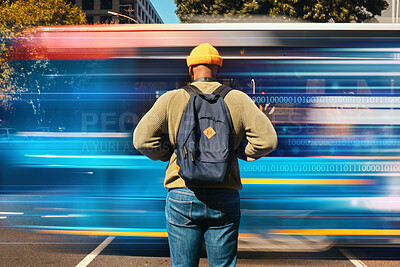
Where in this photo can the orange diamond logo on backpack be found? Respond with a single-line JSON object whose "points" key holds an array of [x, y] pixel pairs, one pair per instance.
{"points": [[209, 132]]}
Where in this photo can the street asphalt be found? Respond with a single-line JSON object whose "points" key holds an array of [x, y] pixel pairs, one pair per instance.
{"points": [[22, 248]]}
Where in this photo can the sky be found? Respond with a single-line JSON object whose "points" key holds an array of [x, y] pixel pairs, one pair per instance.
{"points": [[166, 9]]}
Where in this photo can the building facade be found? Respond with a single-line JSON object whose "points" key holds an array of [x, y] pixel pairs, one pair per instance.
{"points": [[140, 10]]}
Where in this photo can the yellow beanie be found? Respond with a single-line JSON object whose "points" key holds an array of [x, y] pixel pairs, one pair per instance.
{"points": [[204, 54]]}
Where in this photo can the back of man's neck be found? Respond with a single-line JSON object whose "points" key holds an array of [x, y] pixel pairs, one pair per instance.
{"points": [[205, 79]]}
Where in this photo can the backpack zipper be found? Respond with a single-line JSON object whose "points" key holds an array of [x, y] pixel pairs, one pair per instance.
{"points": [[184, 152]]}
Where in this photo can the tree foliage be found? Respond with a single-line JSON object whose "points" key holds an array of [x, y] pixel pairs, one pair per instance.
{"points": [[16, 21], [309, 10]]}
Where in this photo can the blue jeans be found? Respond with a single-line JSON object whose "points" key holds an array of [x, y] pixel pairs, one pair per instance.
{"points": [[197, 214]]}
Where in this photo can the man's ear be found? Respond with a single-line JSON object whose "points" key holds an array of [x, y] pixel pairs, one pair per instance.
{"points": [[191, 71]]}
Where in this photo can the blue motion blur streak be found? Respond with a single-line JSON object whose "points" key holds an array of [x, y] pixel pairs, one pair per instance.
{"points": [[68, 165]]}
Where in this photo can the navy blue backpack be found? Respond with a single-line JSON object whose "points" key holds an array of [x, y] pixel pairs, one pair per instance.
{"points": [[204, 144]]}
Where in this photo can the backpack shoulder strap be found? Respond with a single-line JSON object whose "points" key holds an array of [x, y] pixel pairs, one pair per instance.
{"points": [[192, 90], [222, 91]]}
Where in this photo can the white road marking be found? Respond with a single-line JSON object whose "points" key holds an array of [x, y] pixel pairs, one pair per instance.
{"points": [[88, 259], [352, 258], [3, 217], [11, 213]]}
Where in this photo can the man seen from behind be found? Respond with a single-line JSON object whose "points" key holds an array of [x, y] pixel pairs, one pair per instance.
{"points": [[208, 212]]}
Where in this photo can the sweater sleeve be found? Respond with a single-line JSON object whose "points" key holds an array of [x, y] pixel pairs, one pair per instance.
{"points": [[260, 137], [151, 134]]}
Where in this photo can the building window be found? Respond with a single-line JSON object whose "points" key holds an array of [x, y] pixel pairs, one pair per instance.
{"points": [[138, 11], [87, 4], [105, 19], [106, 4], [89, 19]]}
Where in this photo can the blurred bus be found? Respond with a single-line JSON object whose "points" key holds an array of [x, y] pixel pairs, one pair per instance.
{"points": [[331, 91]]}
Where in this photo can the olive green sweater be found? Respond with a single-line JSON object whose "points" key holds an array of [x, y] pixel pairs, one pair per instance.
{"points": [[155, 135]]}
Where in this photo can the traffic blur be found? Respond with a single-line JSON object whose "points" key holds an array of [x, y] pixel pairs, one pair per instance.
{"points": [[331, 91]]}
